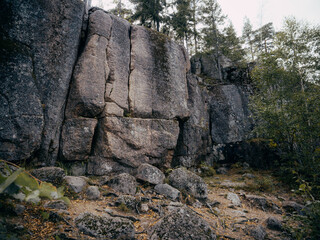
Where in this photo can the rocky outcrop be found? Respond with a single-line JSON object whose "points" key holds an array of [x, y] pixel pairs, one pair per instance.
{"points": [[124, 98], [194, 138], [38, 49], [158, 86], [229, 114]]}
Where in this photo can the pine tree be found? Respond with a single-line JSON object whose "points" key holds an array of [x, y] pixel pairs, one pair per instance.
{"points": [[181, 21], [263, 38], [121, 11], [212, 17], [231, 45], [248, 35], [148, 12]]}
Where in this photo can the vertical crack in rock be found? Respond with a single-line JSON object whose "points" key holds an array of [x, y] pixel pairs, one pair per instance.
{"points": [[130, 71]]}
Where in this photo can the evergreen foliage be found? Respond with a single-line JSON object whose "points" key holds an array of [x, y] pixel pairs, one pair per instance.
{"points": [[148, 12], [286, 104]]}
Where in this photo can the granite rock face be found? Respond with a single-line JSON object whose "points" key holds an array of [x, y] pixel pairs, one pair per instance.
{"points": [[194, 139], [38, 44], [229, 114], [158, 86], [123, 97], [133, 141], [77, 134]]}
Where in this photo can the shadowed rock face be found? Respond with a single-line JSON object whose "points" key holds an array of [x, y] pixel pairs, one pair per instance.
{"points": [[229, 114], [38, 44]]}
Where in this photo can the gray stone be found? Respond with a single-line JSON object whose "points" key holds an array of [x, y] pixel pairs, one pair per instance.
{"points": [[235, 200], [230, 184], [124, 183], [181, 224], [257, 232], [229, 114], [248, 175], [100, 24], [56, 204], [19, 209], [75, 184], [118, 60], [263, 203], [86, 96], [112, 109], [39, 44], [238, 213], [144, 208], [222, 170], [150, 174], [158, 86], [53, 175], [100, 166], [129, 201], [194, 140], [76, 138], [78, 168], [93, 193], [168, 191], [133, 141], [291, 206], [105, 227], [274, 223], [185, 180]]}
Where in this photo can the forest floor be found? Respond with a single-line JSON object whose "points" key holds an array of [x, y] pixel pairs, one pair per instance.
{"points": [[261, 196]]}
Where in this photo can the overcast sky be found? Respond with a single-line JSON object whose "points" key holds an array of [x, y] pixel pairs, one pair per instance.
{"points": [[260, 11]]}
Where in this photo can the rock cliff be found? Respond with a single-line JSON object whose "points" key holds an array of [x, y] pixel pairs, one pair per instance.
{"points": [[115, 98]]}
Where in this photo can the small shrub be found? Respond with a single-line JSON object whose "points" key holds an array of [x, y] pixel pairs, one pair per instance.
{"points": [[306, 226], [123, 207], [265, 184]]}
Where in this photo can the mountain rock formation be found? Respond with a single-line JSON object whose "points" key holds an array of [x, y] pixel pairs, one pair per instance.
{"points": [[88, 87]]}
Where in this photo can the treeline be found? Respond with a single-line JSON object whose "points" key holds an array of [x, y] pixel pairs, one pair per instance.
{"points": [[200, 26]]}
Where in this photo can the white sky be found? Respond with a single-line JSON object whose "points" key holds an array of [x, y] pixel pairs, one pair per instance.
{"points": [[260, 11]]}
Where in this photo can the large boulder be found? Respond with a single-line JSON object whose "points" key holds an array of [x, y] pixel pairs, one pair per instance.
{"points": [[168, 191], [133, 141], [150, 174], [53, 175], [188, 181], [38, 49], [123, 183], [105, 227], [75, 184], [157, 84], [181, 224]]}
